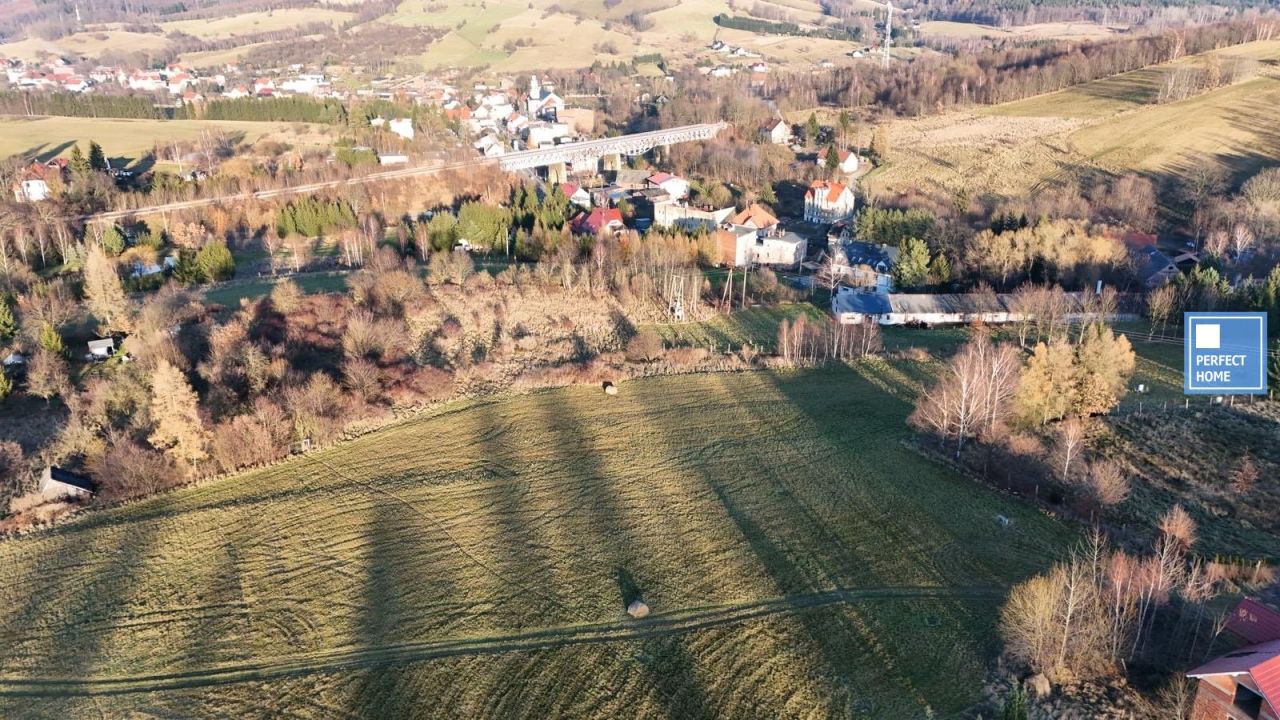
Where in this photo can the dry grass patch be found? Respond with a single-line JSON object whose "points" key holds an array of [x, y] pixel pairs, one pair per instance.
{"points": [[256, 22]]}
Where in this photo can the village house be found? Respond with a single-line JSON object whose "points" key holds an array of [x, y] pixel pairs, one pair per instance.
{"points": [[33, 185], [863, 264], [754, 216], [828, 202], [672, 214], [541, 133], [629, 179], [599, 220], [576, 195], [59, 484], [775, 131], [675, 187], [1151, 266], [847, 162], [740, 245], [400, 126], [1243, 684]]}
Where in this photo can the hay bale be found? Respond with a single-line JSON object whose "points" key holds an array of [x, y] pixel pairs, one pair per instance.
{"points": [[610, 388], [637, 609]]}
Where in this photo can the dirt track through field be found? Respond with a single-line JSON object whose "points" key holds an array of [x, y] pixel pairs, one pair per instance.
{"points": [[657, 625]]}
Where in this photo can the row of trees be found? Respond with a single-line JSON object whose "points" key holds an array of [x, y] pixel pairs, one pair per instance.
{"points": [[986, 386], [1102, 608]]}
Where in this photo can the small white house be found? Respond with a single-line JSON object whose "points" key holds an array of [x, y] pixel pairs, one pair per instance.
{"points": [[847, 162], [542, 133], [34, 190], [675, 187], [102, 349], [779, 249], [776, 131], [402, 127], [577, 195]]}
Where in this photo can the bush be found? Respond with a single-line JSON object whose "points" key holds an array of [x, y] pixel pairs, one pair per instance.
{"points": [[645, 346], [215, 262]]}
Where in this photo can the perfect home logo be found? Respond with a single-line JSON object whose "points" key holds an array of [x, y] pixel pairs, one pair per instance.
{"points": [[1226, 353]]}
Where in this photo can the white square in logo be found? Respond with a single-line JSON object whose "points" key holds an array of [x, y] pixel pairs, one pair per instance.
{"points": [[1208, 336]]}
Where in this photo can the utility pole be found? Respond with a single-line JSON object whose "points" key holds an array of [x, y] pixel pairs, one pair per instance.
{"points": [[888, 30]]}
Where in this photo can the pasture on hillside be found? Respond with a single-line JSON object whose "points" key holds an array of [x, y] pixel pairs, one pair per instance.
{"points": [[1109, 126], [256, 22], [798, 559], [47, 137]]}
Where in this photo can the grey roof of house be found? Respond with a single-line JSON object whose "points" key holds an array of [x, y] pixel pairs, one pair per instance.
{"points": [[103, 344], [927, 304], [865, 253], [1151, 261], [866, 303]]}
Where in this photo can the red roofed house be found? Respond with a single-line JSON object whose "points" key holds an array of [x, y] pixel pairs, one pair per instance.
{"points": [[577, 195], [676, 187], [1244, 684], [848, 162], [599, 220], [754, 216], [34, 186], [828, 202]]}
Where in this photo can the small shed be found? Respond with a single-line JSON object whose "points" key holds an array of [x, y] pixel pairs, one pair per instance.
{"points": [[102, 349], [57, 483]]}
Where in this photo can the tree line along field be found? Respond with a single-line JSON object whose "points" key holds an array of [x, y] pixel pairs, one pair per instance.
{"points": [[798, 559], [1112, 126]]}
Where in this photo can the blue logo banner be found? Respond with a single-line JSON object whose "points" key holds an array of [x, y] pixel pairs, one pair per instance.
{"points": [[1225, 353]]}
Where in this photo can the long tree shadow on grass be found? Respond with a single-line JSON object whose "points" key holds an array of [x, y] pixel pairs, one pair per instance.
{"points": [[954, 511], [670, 666], [785, 535], [68, 626]]}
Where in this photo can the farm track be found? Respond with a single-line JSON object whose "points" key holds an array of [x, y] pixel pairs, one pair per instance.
{"points": [[658, 625]]}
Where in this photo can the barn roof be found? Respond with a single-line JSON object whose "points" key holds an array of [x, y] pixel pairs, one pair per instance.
{"points": [[926, 304], [1254, 622]]}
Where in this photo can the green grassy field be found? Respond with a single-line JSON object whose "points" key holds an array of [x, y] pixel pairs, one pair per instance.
{"points": [[231, 294], [49, 136], [798, 559]]}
